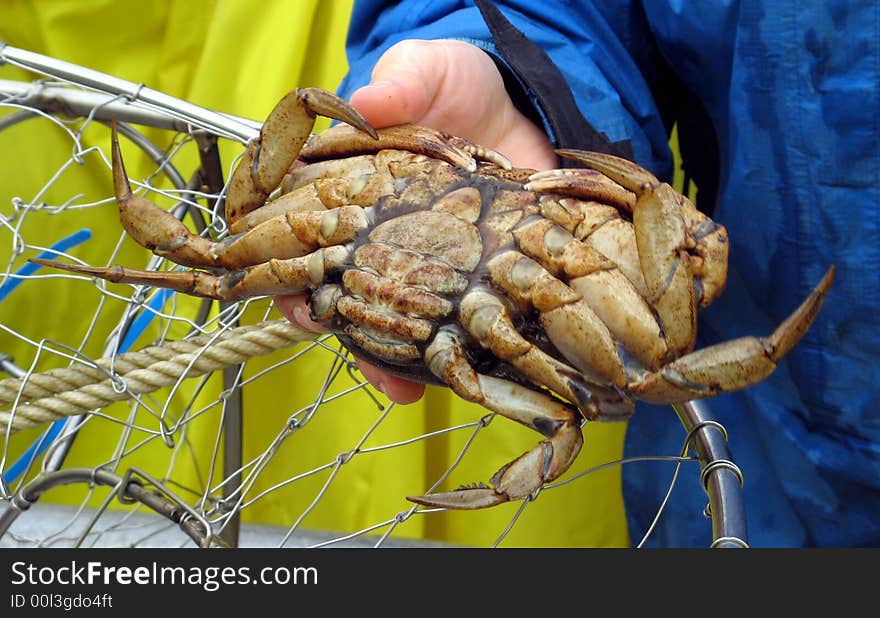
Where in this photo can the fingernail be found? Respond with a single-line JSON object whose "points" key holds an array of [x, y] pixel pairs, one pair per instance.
{"points": [[301, 315], [381, 385]]}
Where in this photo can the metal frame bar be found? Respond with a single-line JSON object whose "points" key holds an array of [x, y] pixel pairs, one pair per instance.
{"points": [[721, 478], [151, 103]]}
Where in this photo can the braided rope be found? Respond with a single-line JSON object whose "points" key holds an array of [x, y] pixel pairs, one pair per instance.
{"points": [[69, 391]]}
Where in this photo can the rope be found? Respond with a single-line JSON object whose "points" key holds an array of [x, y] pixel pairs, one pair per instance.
{"points": [[69, 391]]}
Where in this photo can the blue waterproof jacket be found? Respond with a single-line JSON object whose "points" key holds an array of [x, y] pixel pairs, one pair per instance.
{"points": [[791, 89]]}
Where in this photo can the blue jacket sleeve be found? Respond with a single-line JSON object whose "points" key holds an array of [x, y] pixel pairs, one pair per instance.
{"points": [[612, 88]]}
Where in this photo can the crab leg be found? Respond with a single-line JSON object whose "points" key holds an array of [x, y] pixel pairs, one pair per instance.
{"points": [[705, 240], [325, 192], [290, 276], [349, 167], [291, 234], [151, 226], [324, 185], [584, 183], [574, 328], [343, 141], [731, 365], [663, 243], [259, 172], [546, 415], [586, 343], [606, 290]]}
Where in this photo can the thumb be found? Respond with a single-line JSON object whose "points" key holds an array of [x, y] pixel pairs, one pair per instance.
{"points": [[432, 83], [404, 84], [455, 87]]}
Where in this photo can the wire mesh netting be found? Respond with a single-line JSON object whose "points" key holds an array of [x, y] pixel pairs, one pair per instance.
{"points": [[139, 417]]}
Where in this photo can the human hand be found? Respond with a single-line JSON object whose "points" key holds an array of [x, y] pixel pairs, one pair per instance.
{"points": [[450, 86]]}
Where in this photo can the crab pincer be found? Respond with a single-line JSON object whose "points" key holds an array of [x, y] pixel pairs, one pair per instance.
{"points": [[284, 132]]}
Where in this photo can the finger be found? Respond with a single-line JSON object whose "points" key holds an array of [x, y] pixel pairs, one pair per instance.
{"points": [[526, 145], [397, 389], [401, 90], [295, 309], [433, 83], [390, 102]]}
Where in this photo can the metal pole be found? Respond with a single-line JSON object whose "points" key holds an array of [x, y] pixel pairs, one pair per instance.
{"points": [[721, 478], [241, 129]]}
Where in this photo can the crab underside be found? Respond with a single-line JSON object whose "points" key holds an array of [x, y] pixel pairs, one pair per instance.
{"points": [[547, 297]]}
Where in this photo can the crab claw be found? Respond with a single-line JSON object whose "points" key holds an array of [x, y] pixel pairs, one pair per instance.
{"points": [[287, 128], [151, 226], [463, 498], [664, 244], [732, 365], [624, 172], [519, 479]]}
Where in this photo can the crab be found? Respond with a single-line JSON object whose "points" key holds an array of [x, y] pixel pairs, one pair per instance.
{"points": [[550, 298]]}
